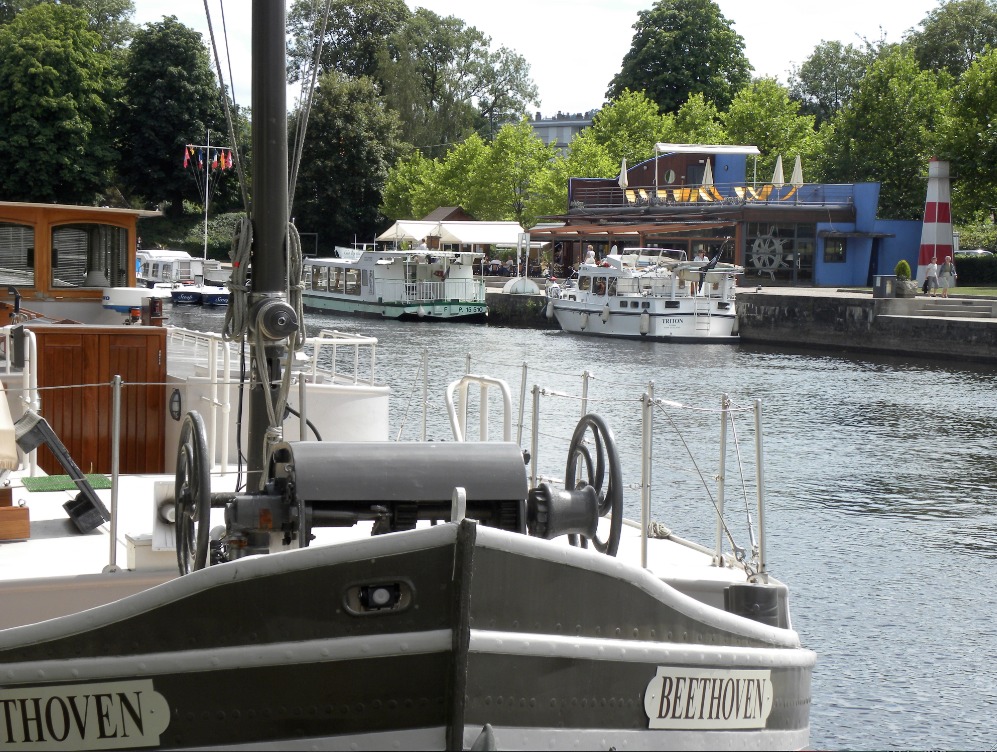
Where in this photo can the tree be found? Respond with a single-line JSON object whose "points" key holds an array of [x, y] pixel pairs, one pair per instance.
{"points": [[441, 76], [586, 158], [109, 18], [887, 133], [629, 127], [55, 94], [696, 122], [763, 115], [352, 143], [356, 35], [683, 47], [506, 184], [969, 139], [171, 98], [954, 34], [828, 78]]}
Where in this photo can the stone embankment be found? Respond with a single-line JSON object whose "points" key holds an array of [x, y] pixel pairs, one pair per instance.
{"points": [[956, 328]]}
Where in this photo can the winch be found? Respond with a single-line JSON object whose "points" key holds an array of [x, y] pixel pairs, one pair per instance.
{"points": [[394, 486]]}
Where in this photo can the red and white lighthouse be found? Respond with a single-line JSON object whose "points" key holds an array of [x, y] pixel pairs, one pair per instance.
{"points": [[936, 233]]}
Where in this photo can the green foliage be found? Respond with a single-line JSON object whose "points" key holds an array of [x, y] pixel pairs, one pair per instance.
{"points": [[221, 231], [171, 99], [888, 133], [762, 114], [902, 270], [56, 89], [976, 270], [980, 233], [629, 126], [955, 34], [353, 141], [828, 78], [680, 48], [969, 139], [356, 35], [696, 122]]}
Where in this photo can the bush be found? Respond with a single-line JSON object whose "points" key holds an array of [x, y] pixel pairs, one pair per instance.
{"points": [[976, 270], [902, 271]]}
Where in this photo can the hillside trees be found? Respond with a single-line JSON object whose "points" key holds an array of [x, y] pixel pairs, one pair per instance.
{"points": [[954, 35]]}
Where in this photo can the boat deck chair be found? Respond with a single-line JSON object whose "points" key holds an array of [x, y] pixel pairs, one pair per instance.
{"points": [[631, 196], [762, 194], [741, 192], [710, 193], [663, 196]]}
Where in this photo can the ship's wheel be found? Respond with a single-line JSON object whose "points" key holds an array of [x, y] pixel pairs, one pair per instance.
{"points": [[767, 254], [606, 459], [192, 495]]}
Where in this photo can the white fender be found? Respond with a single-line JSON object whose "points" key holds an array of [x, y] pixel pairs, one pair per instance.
{"points": [[585, 320], [550, 309], [421, 313], [645, 322], [605, 314]]}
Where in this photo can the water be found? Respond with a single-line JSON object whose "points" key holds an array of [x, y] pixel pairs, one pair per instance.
{"points": [[881, 488]]}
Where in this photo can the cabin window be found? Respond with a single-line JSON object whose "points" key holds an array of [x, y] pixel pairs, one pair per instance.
{"points": [[612, 286], [352, 282], [623, 304], [17, 255], [364, 278], [584, 283], [89, 255], [600, 285], [834, 250]]}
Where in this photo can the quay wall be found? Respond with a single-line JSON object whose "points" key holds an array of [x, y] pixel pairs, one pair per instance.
{"points": [[818, 319], [863, 324]]}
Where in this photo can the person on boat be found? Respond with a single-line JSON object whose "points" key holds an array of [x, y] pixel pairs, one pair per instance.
{"points": [[931, 279], [600, 286], [946, 276], [422, 245], [700, 256], [590, 255]]}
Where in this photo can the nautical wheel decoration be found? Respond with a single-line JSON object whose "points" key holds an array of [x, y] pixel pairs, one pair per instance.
{"points": [[767, 255]]}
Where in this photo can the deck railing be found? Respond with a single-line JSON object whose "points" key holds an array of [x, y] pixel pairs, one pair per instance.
{"points": [[807, 194], [464, 290]]}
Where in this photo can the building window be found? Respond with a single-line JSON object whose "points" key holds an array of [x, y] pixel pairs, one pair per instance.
{"points": [[834, 250], [89, 255], [17, 255]]}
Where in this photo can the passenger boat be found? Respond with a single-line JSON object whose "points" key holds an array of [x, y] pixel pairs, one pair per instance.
{"points": [[209, 295], [395, 284], [160, 266], [649, 293], [343, 591]]}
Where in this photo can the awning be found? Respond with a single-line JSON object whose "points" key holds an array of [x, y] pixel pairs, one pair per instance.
{"points": [[458, 233], [705, 149], [481, 233], [409, 229]]}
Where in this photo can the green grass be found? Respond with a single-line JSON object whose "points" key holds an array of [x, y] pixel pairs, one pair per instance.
{"points": [[63, 482]]}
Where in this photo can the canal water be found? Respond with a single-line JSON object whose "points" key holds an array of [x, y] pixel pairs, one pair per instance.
{"points": [[880, 483]]}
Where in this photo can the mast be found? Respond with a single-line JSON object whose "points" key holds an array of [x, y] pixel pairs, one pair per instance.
{"points": [[272, 320]]}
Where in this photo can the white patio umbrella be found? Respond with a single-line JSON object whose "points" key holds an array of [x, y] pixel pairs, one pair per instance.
{"points": [[797, 178], [623, 175], [708, 174], [778, 180]]}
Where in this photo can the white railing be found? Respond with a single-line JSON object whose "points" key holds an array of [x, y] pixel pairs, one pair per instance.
{"points": [[467, 291], [27, 394]]}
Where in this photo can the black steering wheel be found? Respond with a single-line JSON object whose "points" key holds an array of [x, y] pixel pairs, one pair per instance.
{"points": [[606, 457], [192, 495]]}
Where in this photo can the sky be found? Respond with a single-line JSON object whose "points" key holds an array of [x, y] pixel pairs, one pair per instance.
{"points": [[575, 47]]}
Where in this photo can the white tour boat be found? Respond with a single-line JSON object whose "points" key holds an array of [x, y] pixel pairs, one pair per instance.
{"points": [[425, 284], [649, 293]]}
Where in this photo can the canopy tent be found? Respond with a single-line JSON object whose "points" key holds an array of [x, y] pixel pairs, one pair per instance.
{"points": [[481, 233], [409, 229], [705, 149], [455, 233]]}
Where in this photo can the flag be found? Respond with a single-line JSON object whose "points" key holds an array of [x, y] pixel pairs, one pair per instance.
{"points": [[214, 162], [221, 160], [186, 157], [200, 158]]}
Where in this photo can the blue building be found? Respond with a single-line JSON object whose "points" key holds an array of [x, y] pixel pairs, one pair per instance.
{"points": [[701, 197]]}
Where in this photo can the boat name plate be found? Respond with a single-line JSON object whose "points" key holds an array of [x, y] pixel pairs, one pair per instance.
{"points": [[683, 697]]}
